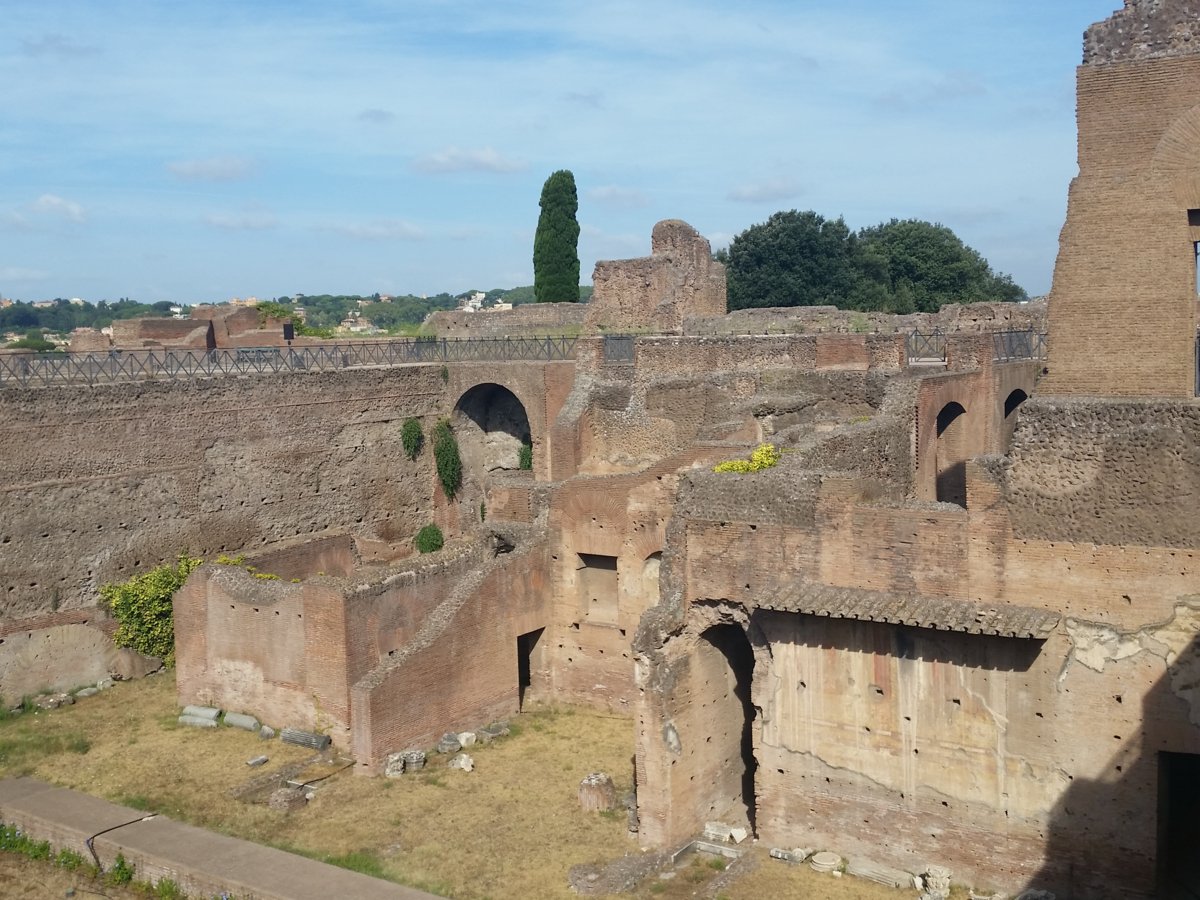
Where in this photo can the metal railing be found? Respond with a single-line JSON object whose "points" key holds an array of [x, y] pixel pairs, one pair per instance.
{"points": [[1007, 346], [40, 369], [926, 346], [1011, 345]]}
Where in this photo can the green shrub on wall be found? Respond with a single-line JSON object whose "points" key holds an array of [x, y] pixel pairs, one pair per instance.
{"points": [[445, 454], [142, 607], [526, 456], [412, 437], [429, 539]]}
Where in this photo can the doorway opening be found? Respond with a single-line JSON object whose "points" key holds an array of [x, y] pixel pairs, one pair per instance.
{"points": [[950, 454], [530, 668], [726, 663], [1178, 825]]}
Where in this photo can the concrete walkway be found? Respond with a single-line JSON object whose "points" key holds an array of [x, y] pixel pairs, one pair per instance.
{"points": [[201, 863]]}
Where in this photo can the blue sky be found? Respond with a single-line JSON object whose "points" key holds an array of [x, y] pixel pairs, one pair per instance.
{"points": [[201, 151]]}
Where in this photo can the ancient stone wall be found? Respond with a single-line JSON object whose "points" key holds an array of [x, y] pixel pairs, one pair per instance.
{"points": [[830, 319], [1123, 316], [679, 280], [523, 320]]}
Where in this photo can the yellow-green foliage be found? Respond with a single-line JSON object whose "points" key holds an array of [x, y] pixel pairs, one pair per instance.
{"points": [[142, 606], [764, 456]]}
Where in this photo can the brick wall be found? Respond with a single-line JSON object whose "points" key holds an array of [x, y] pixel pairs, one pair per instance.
{"points": [[1123, 316]]}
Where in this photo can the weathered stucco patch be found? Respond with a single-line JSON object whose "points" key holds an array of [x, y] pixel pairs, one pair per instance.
{"points": [[1174, 641]]}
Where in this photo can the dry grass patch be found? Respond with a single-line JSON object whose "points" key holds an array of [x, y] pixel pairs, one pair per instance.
{"points": [[510, 829]]}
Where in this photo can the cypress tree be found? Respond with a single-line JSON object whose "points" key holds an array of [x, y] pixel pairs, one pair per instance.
{"points": [[556, 244]]}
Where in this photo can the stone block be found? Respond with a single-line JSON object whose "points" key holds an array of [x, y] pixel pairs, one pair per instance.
{"points": [[462, 761], [202, 712], [87, 692], [597, 793], [240, 720], [257, 761], [305, 738], [414, 760], [394, 765], [717, 831], [266, 732], [467, 738], [449, 744], [53, 701], [197, 722]]}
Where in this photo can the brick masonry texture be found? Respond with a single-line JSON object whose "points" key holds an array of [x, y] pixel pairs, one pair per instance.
{"points": [[754, 626]]}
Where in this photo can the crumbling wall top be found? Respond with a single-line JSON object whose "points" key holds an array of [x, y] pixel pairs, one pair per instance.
{"points": [[1144, 29]]}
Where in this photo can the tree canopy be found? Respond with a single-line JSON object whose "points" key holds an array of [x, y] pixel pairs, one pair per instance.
{"points": [[803, 259], [556, 243]]}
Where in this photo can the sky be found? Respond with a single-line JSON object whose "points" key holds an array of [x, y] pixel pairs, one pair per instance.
{"points": [[196, 152]]}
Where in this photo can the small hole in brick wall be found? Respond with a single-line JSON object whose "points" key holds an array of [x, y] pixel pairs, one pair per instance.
{"points": [[1118, 768], [867, 729], [1118, 698], [945, 804], [803, 685], [276, 612], [878, 690], [956, 701], [622, 631], [6, 539], [1116, 737], [256, 609], [780, 771], [575, 626], [916, 752], [1039, 715], [827, 781], [908, 718], [754, 528]]}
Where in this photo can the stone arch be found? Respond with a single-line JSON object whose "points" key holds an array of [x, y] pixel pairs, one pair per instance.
{"points": [[1011, 404], [950, 454], [1177, 158], [651, 567], [492, 425]]}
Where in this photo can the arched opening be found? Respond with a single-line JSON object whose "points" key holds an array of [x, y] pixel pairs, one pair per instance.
{"points": [[492, 428], [716, 718], [950, 454], [1011, 403], [650, 580]]}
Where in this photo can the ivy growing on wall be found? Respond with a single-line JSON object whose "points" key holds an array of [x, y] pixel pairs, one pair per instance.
{"points": [[445, 454], [525, 459], [142, 607], [412, 437]]}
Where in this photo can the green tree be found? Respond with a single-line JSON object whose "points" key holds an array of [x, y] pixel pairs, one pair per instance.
{"points": [[901, 266], [930, 264], [556, 244], [792, 259]]}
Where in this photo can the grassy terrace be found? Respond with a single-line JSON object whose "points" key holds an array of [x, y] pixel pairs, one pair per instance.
{"points": [[510, 829]]}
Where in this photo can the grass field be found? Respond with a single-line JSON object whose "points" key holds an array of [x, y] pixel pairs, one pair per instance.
{"points": [[510, 829]]}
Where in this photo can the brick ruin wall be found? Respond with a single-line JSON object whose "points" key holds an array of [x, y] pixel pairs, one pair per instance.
{"points": [[908, 745], [111, 480], [524, 320], [657, 293], [831, 320], [1123, 316]]}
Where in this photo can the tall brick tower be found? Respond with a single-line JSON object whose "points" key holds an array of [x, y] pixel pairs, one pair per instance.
{"points": [[1123, 304]]}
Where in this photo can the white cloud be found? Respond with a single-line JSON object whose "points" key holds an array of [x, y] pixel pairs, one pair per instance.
{"points": [[376, 116], [246, 221], [454, 159], [215, 168], [379, 230], [618, 197], [56, 45], [53, 205], [763, 191], [17, 273]]}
